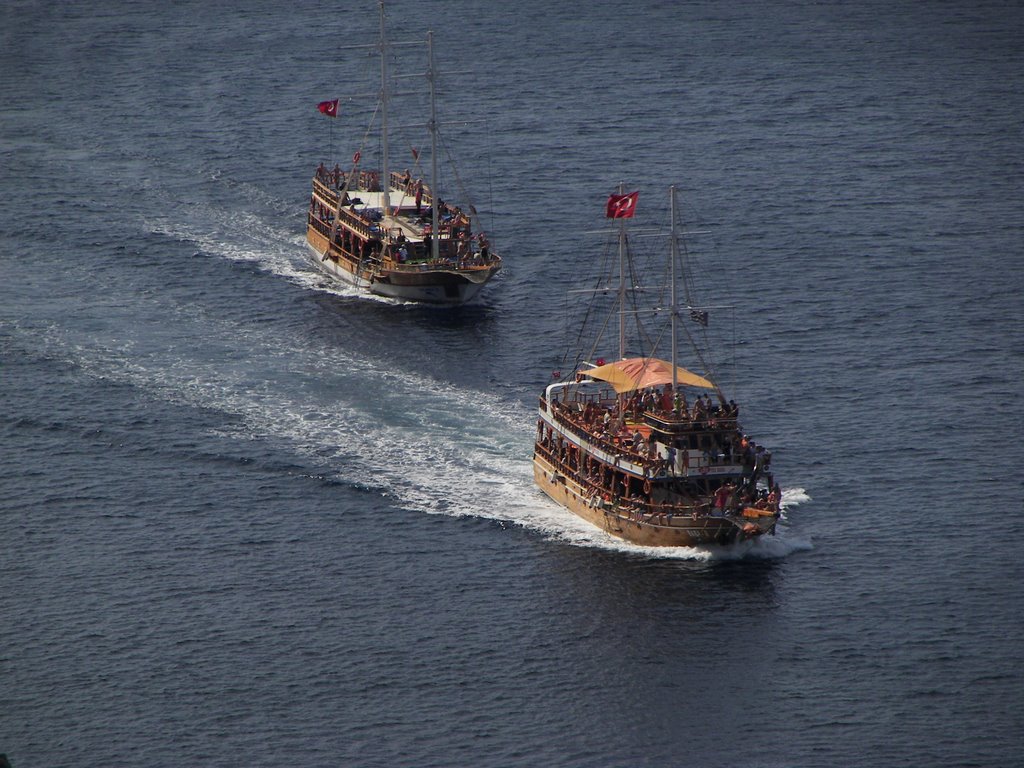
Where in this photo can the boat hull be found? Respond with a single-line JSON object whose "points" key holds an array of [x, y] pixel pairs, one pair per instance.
{"points": [[427, 287], [650, 531]]}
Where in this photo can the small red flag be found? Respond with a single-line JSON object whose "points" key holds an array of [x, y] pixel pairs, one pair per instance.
{"points": [[329, 108], [621, 206]]}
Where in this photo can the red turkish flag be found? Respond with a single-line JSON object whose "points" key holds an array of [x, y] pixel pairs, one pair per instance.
{"points": [[621, 206], [329, 108]]}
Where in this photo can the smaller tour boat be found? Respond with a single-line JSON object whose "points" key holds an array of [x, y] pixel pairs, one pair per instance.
{"points": [[637, 446], [390, 233]]}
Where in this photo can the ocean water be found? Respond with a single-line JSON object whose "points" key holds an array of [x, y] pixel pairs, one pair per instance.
{"points": [[250, 517]]}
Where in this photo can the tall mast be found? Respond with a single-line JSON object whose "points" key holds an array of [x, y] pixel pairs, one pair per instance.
{"points": [[384, 96], [434, 244], [674, 251], [622, 281]]}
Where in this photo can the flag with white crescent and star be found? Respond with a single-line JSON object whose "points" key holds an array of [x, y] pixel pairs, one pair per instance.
{"points": [[329, 108], [621, 206]]}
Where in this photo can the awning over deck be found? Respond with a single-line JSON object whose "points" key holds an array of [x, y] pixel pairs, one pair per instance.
{"points": [[639, 372]]}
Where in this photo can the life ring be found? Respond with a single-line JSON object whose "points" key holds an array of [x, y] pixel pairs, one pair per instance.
{"points": [[647, 485]]}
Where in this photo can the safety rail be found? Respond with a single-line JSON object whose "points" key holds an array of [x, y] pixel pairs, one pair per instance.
{"points": [[594, 491], [651, 466], [398, 181]]}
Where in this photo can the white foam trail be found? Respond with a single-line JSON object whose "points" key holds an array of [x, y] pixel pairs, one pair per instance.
{"points": [[460, 452], [794, 496], [281, 253]]}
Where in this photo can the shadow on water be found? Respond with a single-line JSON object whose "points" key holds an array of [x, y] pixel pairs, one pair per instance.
{"points": [[443, 342], [643, 585], [384, 313]]}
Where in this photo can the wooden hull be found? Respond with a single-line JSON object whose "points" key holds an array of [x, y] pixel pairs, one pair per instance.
{"points": [[650, 531], [443, 287]]}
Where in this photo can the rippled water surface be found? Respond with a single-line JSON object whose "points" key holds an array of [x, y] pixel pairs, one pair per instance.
{"points": [[249, 517]]}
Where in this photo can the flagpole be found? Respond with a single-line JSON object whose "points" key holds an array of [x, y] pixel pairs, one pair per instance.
{"points": [[673, 256], [622, 281], [384, 96], [435, 232]]}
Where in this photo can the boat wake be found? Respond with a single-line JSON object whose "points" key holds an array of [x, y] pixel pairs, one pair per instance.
{"points": [[458, 452], [277, 252]]}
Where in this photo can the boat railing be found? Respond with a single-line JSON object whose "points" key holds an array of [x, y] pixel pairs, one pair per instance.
{"points": [[675, 424], [711, 451], [409, 185], [325, 191], [615, 445], [331, 179], [633, 506], [319, 226], [442, 264]]}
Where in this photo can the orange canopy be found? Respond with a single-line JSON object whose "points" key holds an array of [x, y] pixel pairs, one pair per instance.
{"points": [[639, 372]]}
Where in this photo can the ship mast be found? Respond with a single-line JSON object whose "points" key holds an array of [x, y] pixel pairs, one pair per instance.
{"points": [[434, 241], [674, 255], [384, 97], [622, 281]]}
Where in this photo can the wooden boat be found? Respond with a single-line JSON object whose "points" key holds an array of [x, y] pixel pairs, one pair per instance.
{"points": [[619, 443], [389, 232]]}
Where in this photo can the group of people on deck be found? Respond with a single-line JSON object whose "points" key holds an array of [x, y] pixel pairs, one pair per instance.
{"points": [[333, 178], [674, 406], [456, 244], [721, 444], [703, 415], [732, 495]]}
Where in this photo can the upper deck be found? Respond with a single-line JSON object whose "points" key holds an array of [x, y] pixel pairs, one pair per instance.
{"points": [[406, 230]]}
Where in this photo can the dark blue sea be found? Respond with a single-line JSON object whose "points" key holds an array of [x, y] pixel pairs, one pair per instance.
{"points": [[249, 517]]}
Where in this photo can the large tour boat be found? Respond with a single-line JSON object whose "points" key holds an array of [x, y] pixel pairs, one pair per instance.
{"points": [[645, 449], [390, 232]]}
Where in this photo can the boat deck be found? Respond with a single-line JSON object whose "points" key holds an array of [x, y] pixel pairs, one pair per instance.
{"points": [[415, 226]]}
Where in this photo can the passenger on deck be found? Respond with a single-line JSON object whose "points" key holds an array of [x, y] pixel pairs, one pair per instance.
{"points": [[650, 400], [666, 399], [462, 251], [722, 495], [698, 411]]}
